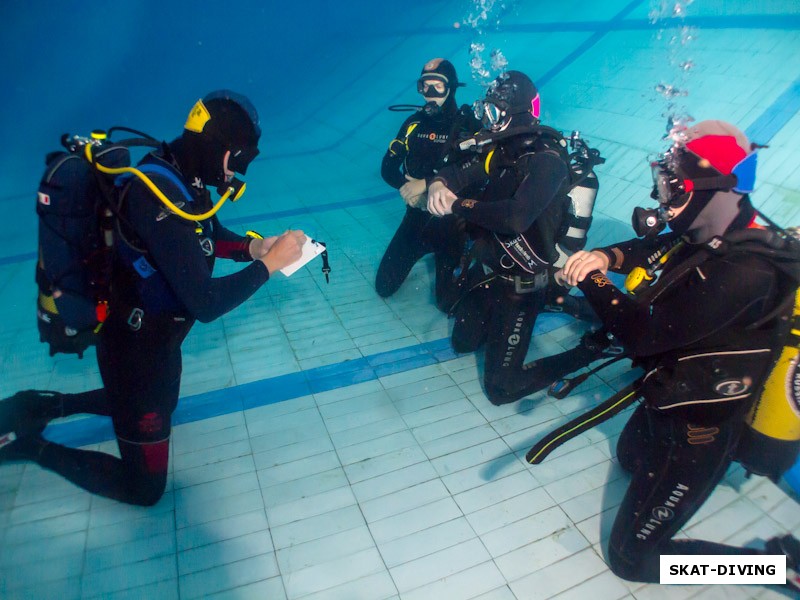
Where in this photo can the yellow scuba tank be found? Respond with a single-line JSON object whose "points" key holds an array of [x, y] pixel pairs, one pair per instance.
{"points": [[771, 443]]}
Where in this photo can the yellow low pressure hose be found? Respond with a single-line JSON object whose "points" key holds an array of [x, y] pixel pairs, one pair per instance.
{"points": [[158, 193]]}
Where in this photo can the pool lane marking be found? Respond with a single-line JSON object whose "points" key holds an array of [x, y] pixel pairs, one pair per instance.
{"points": [[96, 429]]}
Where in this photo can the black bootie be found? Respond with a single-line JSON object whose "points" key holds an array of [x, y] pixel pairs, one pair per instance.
{"points": [[26, 447], [28, 412]]}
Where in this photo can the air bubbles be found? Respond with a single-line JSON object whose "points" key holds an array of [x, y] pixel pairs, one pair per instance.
{"points": [[670, 91], [683, 36], [671, 15], [677, 124], [477, 64], [662, 9], [486, 15], [498, 60]]}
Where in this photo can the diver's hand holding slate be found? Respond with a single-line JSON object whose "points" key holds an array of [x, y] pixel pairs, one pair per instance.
{"points": [[311, 249]]}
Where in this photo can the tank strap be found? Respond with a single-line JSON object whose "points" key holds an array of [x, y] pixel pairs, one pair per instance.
{"points": [[582, 223]]}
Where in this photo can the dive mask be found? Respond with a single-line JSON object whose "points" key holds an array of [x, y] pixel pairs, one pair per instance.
{"points": [[433, 86], [491, 115], [668, 188], [241, 158]]}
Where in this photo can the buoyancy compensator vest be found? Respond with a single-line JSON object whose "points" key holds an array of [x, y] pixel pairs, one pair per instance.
{"points": [[582, 187]]}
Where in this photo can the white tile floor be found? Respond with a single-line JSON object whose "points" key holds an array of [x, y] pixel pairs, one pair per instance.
{"points": [[341, 450]]}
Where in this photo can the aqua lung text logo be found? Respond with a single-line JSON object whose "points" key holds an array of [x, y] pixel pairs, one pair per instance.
{"points": [[731, 387], [663, 513], [436, 138], [513, 339], [793, 385]]}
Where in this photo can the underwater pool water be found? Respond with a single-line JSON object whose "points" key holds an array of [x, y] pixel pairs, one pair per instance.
{"points": [[329, 443]]}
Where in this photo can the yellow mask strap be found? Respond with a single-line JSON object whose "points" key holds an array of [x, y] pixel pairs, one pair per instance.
{"points": [[198, 117]]}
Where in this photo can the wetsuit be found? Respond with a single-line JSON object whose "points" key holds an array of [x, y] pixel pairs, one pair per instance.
{"points": [[162, 282], [421, 147], [517, 218], [692, 333]]}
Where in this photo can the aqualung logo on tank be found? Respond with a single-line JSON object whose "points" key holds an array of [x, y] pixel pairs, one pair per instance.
{"points": [[793, 385]]}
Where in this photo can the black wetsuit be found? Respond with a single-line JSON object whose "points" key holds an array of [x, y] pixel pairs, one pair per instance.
{"points": [[420, 148], [521, 209], [162, 283], [702, 366]]}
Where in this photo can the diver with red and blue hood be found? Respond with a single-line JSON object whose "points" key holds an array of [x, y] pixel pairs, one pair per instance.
{"points": [[703, 319]]}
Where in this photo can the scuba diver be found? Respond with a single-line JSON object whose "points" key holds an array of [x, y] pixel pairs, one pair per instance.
{"points": [[705, 331], [424, 143], [161, 283], [516, 218]]}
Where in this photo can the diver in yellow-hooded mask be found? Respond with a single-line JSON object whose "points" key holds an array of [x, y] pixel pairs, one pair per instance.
{"points": [[166, 239]]}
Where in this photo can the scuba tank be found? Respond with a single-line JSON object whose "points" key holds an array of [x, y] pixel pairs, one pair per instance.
{"points": [[582, 193], [74, 234], [582, 188], [770, 444]]}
